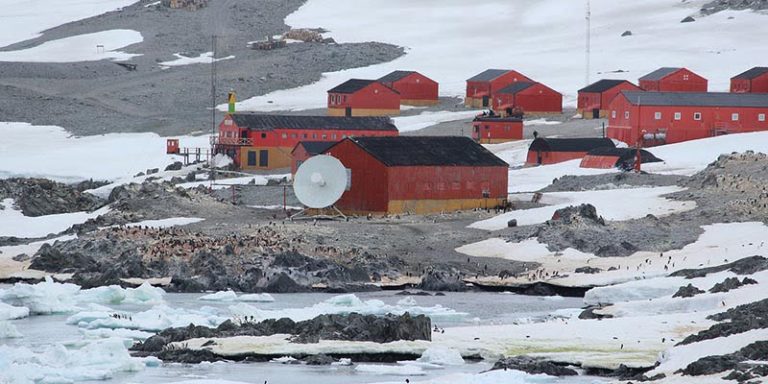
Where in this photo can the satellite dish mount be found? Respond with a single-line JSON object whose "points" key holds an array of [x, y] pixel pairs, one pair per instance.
{"points": [[319, 184]]}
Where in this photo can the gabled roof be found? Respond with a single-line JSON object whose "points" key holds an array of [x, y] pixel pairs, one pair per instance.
{"points": [[488, 74], [396, 151], [697, 99], [315, 147], [602, 85], [751, 74], [395, 76], [570, 145], [351, 86], [516, 87], [660, 73], [256, 122]]}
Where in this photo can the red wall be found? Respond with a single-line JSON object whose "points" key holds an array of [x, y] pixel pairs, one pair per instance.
{"points": [[483, 131], [537, 98], [601, 162], [369, 179], [298, 154], [756, 85], [548, 157], [415, 87], [597, 100], [714, 120], [443, 183], [680, 81], [374, 96], [487, 88]]}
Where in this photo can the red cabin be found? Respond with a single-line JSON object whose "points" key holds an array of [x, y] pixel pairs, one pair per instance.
{"points": [[306, 149], [622, 158], [481, 87], [551, 151], [172, 146], [595, 98], [496, 129], [672, 117], [414, 88], [256, 141], [530, 97], [754, 80], [419, 175], [669, 79], [357, 97]]}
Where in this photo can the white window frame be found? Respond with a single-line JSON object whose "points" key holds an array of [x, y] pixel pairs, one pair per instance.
{"points": [[678, 116], [761, 117], [735, 116], [626, 114], [697, 116], [613, 114], [657, 115]]}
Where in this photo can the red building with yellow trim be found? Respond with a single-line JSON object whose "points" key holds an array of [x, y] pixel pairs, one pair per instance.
{"points": [[414, 88], [482, 87], [358, 97], [496, 129], [528, 97]]}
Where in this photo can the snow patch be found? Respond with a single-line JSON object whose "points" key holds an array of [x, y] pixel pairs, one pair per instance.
{"points": [[13, 222], [88, 47], [204, 58]]}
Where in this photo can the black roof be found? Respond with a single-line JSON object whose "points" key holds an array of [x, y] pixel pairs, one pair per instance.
{"points": [[751, 74], [570, 145], [697, 99], [516, 87], [351, 86], [660, 73], [602, 85], [498, 118], [395, 76], [256, 122], [316, 147], [488, 75], [395, 151], [624, 154]]}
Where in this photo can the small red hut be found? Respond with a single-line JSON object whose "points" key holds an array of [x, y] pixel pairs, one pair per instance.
{"points": [[754, 80], [594, 99], [550, 150], [414, 88], [530, 97], [357, 97], [496, 129], [668, 79]]}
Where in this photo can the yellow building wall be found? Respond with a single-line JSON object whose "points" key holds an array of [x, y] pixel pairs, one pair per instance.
{"points": [[421, 207], [278, 157]]}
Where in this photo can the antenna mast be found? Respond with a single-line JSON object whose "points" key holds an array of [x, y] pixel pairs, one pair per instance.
{"points": [[588, 47]]}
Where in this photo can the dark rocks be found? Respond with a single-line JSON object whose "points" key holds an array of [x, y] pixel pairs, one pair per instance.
{"points": [[413, 293], [40, 197], [722, 5], [512, 223], [626, 33], [727, 285], [584, 213], [589, 314], [745, 266], [435, 280], [688, 291], [174, 166], [735, 320], [153, 344], [688, 19], [284, 284], [533, 366], [715, 364], [590, 270], [539, 289], [318, 360], [188, 356]]}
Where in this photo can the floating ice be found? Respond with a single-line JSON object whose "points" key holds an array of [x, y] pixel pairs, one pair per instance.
{"points": [[491, 377], [344, 304], [400, 370], [441, 356], [257, 297], [232, 296], [155, 319], [284, 360], [220, 296], [9, 312], [8, 330]]}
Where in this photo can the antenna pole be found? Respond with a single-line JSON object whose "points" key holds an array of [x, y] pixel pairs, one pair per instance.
{"points": [[588, 43], [213, 104]]}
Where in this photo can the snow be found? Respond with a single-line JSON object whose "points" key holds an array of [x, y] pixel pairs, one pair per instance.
{"points": [[542, 121], [94, 360], [400, 370], [19, 24], [276, 207], [448, 49], [79, 48], [10, 312], [204, 58], [106, 333], [14, 223], [154, 319], [220, 296], [8, 331], [531, 179], [221, 160], [430, 118], [59, 156], [441, 357], [257, 297], [513, 152], [610, 204], [490, 377], [346, 304]]}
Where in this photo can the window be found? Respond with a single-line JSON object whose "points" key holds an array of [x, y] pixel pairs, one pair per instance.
{"points": [[251, 158], [697, 115], [314, 135], [344, 99], [344, 136], [678, 115], [626, 114], [293, 135], [285, 135], [325, 136], [263, 135], [477, 128], [506, 128], [333, 136], [227, 121], [264, 158], [306, 136], [487, 127], [657, 115], [456, 185], [761, 117], [734, 117], [685, 77], [613, 114]]}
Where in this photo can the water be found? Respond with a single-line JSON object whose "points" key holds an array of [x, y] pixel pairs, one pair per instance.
{"points": [[480, 308]]}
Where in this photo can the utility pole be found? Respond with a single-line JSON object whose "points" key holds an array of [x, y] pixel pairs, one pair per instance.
{"points": [[213, 106], [588, 44]]}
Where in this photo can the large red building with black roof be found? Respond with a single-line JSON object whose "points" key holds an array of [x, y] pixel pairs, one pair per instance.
{"points": [[414, 88], [357, 97], [754, 80], [671, 79], [419, 175], [594, 99], [482, 87], [257, 141], [527, 97]]}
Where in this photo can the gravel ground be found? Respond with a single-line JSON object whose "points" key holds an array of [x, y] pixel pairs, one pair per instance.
{"points": [[95, 97]]}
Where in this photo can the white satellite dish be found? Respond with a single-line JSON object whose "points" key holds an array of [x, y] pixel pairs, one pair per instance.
{"points": [[320, 181]]}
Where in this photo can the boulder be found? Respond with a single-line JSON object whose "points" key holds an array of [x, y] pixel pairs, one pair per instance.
{"points": [[174, 166], [441, 281], [533, 366], [687, 291]]}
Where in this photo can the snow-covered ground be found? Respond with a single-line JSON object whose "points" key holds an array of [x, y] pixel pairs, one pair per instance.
{"points": [[203, 58], [88, 47], [14, 223], [611, 204], [549, 42], [428, 119]]}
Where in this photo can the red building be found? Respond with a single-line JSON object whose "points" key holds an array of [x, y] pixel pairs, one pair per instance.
{"points": [[622, 158], [357, 97], [529, 97], [594, 99], [496, 129], [414, 88], [306, 149], [672, 117], [754, 80], [265, 141], [481, 87], [550, 151], [668, 79], [419, 175]]}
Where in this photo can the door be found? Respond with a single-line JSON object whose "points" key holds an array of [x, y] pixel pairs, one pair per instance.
{"points": [[485, 101], [264, 158], [348, 111], [538, 157], [596, 113]]}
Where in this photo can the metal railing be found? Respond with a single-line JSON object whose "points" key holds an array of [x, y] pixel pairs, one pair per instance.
{"points": [[240, 141]]}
